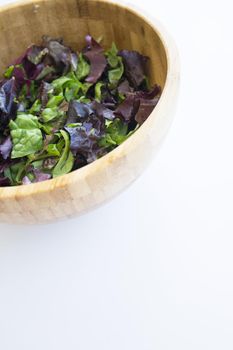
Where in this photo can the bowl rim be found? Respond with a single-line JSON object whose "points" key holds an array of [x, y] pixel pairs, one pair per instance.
{"points": [[171, 83]]}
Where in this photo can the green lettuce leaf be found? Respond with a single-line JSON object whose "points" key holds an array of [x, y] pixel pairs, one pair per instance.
{"points": [[26, 135], [52, 150], [112, 57], [59, 83], [55, 101], [16, 172], [98, 93], [50, 114], [66, 161], [116, 133], [83, 68], [8, 73], [115, 62], [36, 107], [114, 75]]}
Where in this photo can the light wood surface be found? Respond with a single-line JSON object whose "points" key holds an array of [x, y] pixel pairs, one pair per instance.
{"points": [[24, 23]]}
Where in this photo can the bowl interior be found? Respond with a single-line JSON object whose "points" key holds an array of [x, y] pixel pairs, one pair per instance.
{"points": [[24, 23]]}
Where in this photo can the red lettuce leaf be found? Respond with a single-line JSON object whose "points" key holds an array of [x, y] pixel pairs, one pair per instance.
{"points": [[63, 57], [26, 180], [102, 111], [150, 94], [83, 142], [148, 101], [124, 87], [4, 181], [138, 105], [128, 108], [43, 93], [79, 162], [98, 62], [84, 139], [40, 176], [135, 65], [8, 106], [146, 107], [5, 164], [29, 65], [6, 147]]}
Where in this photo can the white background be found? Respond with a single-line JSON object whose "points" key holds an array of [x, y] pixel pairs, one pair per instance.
{"points": [[153, 269]]}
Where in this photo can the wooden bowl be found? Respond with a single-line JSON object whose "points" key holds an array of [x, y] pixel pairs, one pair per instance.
{"points": [[24, 23]]}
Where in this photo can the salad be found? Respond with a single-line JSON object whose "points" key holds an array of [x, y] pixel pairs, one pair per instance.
{"points": [[61, 110]]}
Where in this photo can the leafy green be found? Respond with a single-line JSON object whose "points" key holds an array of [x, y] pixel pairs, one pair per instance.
{"points": [[50, 114], [36, 107], [71, 87], [98, 87], [115, 62], [114, 75], [26, 135], [37, 164], [8, 73], [71, 92], [112, 57], [66, 161], [53, 150], [45, 71], [55, 101], [59, 83], [47, 128], [15, 172], [116, 133], [83, 68]]}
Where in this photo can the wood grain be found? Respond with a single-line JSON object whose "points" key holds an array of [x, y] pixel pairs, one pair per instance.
{"points": [[24, 23]]}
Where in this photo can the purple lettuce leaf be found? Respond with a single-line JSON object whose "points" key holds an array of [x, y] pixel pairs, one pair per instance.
{"points": [[4, 181], [124, 87], [8, 106], [135, 65], [30, 64], [20, 76], [138, 105], [128, 108], [146, 107], [40, 176], [102, 111], [79, 161], [108, 97], [78, 112], [6, 147], [26, 180], [35, 54], [4, 164], [94, 54], [148, 100], [83, 142], [63, 57], [43, 93], [84, 139], [38, 63], [150, 94]]}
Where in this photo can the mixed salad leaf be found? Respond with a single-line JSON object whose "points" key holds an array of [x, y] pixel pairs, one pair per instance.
{"points": [[61, 110]]}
